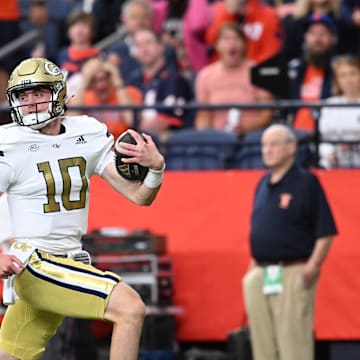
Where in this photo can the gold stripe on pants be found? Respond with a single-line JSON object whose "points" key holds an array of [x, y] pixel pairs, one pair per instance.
{"points": [[51, 288]]}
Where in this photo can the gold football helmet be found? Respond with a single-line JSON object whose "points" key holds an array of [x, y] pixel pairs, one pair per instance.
{"points": [[32, 73]]}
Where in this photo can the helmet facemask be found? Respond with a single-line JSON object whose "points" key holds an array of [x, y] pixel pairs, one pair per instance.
{"points": [[31, 74]]}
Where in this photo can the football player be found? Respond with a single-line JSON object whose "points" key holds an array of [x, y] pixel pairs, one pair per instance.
{"points": [[46, 161]]}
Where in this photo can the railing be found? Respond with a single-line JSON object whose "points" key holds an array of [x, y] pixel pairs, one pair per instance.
{"points": [[37, 35], [111, 39], [280, 107], [18, 43]]}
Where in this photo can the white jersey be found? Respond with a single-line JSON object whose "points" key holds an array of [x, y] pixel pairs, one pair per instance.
{"points": [[47, 180], [336, 124], [5, 227], [340, 123]]}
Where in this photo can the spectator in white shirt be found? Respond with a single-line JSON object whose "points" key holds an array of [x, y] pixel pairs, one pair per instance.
{"points": [[342, 123]]}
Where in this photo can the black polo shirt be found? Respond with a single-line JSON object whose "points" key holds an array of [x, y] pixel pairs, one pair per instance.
{"points": [[289, 216]]}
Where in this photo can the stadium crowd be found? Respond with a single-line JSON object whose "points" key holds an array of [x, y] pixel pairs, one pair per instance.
{"points": [[202, 52], [124, 58]]}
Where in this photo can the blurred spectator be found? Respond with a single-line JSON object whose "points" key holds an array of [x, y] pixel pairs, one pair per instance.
{"points": [[81, 29], [228, 81], [102, 85], [172, 32], [107, 16], [159, 84], [49, 17], [135, 15], [283, 7], [295, 25], [259, 21], [194, 29], [311, 75], [161, 12], [9, 30], [183, 28], [342, 123], [350, 14]]}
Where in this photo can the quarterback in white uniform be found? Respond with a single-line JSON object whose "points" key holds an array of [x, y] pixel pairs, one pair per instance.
{"points": [[46, 161]]}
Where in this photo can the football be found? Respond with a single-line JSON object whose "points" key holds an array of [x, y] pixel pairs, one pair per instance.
{"points": [[133, 171]]}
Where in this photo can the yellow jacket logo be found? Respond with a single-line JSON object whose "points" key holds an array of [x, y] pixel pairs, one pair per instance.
{"points": [[21, 246]]}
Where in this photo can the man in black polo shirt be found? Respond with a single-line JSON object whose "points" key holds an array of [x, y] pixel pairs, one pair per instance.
{"points": [[292, 228]]}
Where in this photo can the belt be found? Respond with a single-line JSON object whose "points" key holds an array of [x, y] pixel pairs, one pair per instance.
{"points": [[80, 255], [281, 262], [46, 254]]}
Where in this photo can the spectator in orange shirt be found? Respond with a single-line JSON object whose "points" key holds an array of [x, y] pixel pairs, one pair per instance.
{"points": [[228, 81], [102, 85], [259, 21]]}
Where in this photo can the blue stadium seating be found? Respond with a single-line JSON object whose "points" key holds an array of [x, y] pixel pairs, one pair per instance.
{"points": [[209, 149], [248, 156]]}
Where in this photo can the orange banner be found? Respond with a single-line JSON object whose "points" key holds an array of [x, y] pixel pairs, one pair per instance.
{"points": [[205, 216]]}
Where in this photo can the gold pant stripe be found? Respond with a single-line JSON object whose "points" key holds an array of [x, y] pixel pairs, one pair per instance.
{"points": [[49, 289], [80, 277]]}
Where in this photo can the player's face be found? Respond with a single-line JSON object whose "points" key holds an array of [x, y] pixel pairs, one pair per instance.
{"points": [[34, 100], [276, 150]]}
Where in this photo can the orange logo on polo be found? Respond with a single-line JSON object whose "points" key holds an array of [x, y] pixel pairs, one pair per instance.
{"points": [[285, 199], [21, 246]]}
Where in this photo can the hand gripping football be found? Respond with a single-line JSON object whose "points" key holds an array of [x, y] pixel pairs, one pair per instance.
{"points": [[133, 171]]}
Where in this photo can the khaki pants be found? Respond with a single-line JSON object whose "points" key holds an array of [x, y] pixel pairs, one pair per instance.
{"points": [[281, 325]]}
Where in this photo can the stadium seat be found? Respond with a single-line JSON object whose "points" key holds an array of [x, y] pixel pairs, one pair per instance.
{"points": [[249, 156], [209, 149]]}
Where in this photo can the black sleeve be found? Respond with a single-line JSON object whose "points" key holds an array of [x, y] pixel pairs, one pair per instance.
{"points": [[323, 219], [172, 91]]}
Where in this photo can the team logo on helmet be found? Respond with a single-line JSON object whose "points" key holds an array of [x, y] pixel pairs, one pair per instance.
{"points": [[30, 73], [52, 69]]}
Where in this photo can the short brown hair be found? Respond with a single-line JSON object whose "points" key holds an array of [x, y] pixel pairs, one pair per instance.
{"points": [[77, 16], [350, 60], [236, 28]]}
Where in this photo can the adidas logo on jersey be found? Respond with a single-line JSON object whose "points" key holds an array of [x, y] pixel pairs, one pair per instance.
{"points": [[80, 140]]}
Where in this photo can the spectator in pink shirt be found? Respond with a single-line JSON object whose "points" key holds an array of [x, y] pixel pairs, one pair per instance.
{"points": [[228, 81], [184, 25]]}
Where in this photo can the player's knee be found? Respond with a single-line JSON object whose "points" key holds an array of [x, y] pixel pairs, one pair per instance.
{"points": [[125, 304], [6, 356], [136, 308]]}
